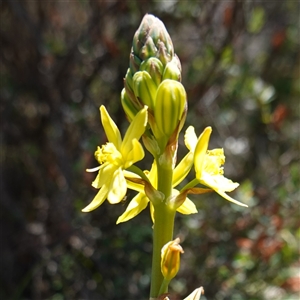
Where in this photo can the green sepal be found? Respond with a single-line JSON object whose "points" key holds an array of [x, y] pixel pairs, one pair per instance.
{"points": [[148, 50], [129, 79], [154, 67], [144, 88], [151, 145], [128, 84], [134, 63]]}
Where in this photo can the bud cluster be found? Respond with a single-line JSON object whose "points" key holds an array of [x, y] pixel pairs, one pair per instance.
{"points": [[153, 79]]}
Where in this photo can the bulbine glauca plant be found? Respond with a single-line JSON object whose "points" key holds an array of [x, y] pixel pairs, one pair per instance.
{"points": [[155, 103]]}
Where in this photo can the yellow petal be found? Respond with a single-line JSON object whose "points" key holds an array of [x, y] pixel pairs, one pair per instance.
{"points": [[190, 138], [118, 187], [111, 130], [105, 173], [135, 130], [152, 211], [135, 186], [218, 186], [225, 196], [131, 184], [98, 200], [225, 184], [135, 154], [218, 182], [188, 207], [130, 174], [153, 174], [182, 169], [136, 205], [200, 151]]}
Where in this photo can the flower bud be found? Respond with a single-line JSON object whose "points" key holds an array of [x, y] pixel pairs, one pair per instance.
{"points": [[152, 40], [128, 106], [134, 63], [129, 79], [172, 70], [170, 106], [148, 50], [128, 84], [154, 67], [144, 88], [170, 259]]}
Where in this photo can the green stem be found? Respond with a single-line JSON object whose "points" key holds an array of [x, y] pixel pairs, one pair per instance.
{"points": [[164, 286], [163, 228], [189, 185], [139, 172]]}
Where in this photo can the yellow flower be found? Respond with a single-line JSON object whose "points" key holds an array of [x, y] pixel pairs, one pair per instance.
{"points": [[208, 166], [116, 156]]}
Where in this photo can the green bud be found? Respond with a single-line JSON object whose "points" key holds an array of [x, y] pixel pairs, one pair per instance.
{"points": [[170, 106], [151, 144], [148, 50], [128, 106], [134, 63], [128, 84], [129, 79], [154, 67], [173, 70], [152, 40], [144, 88], [162, 53]]}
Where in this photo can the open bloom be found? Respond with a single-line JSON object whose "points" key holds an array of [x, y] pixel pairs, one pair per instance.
{"points": [[116, 156], [208, 166]]}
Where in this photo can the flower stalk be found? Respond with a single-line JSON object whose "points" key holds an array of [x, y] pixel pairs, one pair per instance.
{"points": [[163, 227]]}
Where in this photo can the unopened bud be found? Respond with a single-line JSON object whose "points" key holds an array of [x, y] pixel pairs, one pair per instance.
{"points": [[144, 88], [134, 63], [148, 50], [172, 71], [170, 106], [128, 84], [170, 259], [154, 67], [128, 106], [152, 40]]}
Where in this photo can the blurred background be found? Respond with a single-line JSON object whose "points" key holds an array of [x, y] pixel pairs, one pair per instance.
{"points": [[60, 60]]}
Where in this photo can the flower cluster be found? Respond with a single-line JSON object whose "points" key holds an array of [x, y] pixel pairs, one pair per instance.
{"points": [[153, 79]]}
